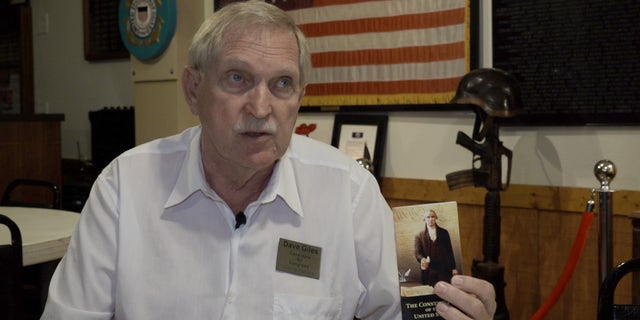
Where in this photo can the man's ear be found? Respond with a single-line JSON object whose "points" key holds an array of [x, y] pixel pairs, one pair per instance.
{"points": [[190, 82], [302, 93]]}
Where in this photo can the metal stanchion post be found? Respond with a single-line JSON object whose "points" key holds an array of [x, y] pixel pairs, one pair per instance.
{"points": [[605, 171]]}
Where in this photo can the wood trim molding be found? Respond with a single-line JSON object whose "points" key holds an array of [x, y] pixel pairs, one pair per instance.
{"points": [[516, 196]]}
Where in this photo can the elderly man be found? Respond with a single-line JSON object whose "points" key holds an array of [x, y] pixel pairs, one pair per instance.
{"points": [[236, 218]]}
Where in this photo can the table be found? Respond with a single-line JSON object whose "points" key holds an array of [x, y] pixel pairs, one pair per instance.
{"points": [[45, 232]]}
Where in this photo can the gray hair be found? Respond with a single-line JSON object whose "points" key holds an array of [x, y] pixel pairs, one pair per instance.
{"points": [[237, 17]]}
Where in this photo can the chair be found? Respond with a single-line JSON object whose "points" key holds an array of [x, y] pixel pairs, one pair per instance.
{"points": [[607, 310], [9, 197], [11, 291], [112, 132]]}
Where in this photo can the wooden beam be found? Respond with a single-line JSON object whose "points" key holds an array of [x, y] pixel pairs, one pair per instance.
{"points": [[546, 198]]}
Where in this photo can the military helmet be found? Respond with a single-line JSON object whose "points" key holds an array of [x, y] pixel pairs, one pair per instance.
{"points": [[493, 90]]}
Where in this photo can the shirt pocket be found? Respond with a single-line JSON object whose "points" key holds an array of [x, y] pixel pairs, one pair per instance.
{"points": [[296, 307]]}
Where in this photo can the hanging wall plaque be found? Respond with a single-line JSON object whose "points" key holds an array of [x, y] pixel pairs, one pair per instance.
{"points": [[147, 26]]}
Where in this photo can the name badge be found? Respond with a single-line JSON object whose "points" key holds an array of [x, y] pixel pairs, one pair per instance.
{"points": [[298, 258]]}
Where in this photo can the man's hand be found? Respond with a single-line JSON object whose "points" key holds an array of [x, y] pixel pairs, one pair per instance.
{"points": [[466, 298]]}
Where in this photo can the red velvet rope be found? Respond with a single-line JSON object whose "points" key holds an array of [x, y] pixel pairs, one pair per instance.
{"points": [[570, 266]]}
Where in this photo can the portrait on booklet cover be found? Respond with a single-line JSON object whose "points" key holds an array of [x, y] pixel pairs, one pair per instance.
{"points": [[428, 251]]}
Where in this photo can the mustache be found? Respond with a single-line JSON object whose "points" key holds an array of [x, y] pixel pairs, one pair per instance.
{"points": [[256, 125]]}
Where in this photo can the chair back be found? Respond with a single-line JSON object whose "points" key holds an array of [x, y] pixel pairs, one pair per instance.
{"points": [[112, 132], [21, 192], [11, 294], [607, 310]]}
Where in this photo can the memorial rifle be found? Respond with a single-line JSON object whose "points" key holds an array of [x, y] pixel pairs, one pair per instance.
{"points": [[494, 94]]}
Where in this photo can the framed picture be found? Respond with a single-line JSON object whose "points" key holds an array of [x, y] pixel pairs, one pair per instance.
{"points": [[101, 32], [363, 138]]}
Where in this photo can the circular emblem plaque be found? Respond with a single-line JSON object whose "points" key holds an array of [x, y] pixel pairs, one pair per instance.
{"points": [[146, 26]]}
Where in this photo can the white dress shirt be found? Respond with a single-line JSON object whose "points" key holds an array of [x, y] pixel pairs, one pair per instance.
{"points": [[154, 241]]}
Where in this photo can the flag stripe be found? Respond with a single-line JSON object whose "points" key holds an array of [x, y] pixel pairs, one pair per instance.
{"points": [[388, 40], [385, 24], [389, 56], [383, 87], [323, 3], [375, 99], [371, 9], [393, 72]]}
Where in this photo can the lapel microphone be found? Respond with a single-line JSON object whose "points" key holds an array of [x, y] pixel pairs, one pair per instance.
{"points": [[240, 219]]}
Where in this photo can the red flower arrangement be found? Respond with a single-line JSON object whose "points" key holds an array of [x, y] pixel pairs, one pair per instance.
{"points": [[305, 129]]}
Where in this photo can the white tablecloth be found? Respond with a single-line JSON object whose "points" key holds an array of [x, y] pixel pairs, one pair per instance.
{"points": [[45, 232]]}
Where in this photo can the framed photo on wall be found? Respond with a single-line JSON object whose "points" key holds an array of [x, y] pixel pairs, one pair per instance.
{"points": [[101, 32], [362, 137]]}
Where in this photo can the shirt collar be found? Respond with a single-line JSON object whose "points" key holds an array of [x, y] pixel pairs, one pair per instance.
{"points": [[283, 185], [191, 179], [191, 174]]}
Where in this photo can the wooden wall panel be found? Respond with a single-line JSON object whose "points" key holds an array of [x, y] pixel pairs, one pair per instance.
{"points": [[30, 148], [518, 254], [538, 228]]}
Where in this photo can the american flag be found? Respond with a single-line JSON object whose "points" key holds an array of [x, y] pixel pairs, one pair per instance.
{"points": [[383, 52]]}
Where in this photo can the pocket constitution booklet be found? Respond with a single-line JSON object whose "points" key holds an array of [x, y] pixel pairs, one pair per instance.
{"points": [[428, 251]]}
